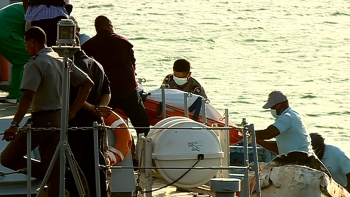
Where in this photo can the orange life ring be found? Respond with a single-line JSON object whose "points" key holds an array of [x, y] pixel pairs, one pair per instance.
{"points": [[123, 140]]}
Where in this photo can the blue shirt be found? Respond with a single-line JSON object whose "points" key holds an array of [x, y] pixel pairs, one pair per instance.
{"points": [[337, 163], [83, 38], [293, 135]]}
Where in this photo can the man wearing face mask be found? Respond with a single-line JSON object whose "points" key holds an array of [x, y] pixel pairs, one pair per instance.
{"points": [[181, 79], [289, 130], [333, 158]]}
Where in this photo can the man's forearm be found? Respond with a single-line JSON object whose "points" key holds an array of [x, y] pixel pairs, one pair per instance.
{"points": [[270, 132], [88, 106], [104, 100], [269, 145], [84, 90]]}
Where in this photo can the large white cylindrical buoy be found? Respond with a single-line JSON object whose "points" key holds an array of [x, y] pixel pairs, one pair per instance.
{"points": [[181, 142]]}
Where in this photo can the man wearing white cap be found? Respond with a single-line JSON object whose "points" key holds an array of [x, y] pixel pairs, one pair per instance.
{"points": [[288, 128]]}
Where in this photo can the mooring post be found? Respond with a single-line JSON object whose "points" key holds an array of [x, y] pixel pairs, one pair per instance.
{"points": [[225, 187]]}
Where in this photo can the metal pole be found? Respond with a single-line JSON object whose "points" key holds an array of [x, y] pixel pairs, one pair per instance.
{"points": [[183, 168], [139, 147], [47, 174], [97, 162], [141, 162], [163, 101], [186, 104], [64, 121], [246, 158], [29, 161], [204, 115], [255, 158], [226, 150], [148, 163]]}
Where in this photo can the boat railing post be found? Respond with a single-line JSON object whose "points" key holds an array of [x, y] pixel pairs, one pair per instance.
{"points": [[163, 101], [186, 103], [140, 147], [246, 158], [226, 144], [255, 158], [204, 114], [96, 160], [29, 160], [148, 165]]}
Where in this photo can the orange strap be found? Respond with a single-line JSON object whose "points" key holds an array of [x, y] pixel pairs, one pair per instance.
{"points": [[4, 69]]}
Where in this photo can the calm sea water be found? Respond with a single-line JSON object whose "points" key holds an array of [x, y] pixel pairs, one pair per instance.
{"points": [[242, 50]]}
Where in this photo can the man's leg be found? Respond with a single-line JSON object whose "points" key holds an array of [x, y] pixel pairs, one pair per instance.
{"points": [[133, 106], [13, 155], [83, 151], [48, 147], [79, 145], [47, 150]]}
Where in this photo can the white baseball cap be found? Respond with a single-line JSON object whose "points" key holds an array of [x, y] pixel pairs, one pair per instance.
{"points": [[275, 97]]}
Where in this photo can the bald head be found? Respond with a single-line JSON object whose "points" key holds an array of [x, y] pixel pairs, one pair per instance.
{"points": [[103, 23]]}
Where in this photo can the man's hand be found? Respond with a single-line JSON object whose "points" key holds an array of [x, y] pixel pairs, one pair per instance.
{"points": [[71, 115], [10, 133], [102, 111]]}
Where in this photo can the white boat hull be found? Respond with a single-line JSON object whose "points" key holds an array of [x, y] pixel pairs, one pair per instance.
{"points": [[296, 175], [298, 181]]}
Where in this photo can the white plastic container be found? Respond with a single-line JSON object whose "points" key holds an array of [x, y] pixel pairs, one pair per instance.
{"points": [[182, 148]]}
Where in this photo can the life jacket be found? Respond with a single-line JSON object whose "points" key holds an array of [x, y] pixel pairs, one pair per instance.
{"points": [[195, 88], [47, 2]]}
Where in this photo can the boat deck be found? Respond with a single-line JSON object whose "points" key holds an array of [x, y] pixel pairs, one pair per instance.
{"points": [[7, 111]]}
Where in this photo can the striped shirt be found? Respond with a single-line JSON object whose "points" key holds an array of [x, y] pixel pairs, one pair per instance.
{"points": [[40, 12]]}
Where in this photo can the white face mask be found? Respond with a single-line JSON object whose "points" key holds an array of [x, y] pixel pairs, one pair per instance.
{"points": [[180, 81], [274, 112]]}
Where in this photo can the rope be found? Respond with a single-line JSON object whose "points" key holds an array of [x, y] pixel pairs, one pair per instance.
{"points": [[102, 126], [165, 186], [23, 170]]}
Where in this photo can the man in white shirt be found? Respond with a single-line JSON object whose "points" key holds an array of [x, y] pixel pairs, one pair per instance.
{"points": [[289, 130]]}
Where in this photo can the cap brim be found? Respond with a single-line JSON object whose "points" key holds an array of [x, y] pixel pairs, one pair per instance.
{"points": [[267, 105]]}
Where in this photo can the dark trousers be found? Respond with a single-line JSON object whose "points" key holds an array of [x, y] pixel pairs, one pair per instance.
{"points": [[50, 28], [13, 155], [81, 143], [131, 103]]}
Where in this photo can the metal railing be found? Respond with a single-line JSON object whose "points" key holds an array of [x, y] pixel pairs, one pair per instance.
{"points": [[146, 167]]}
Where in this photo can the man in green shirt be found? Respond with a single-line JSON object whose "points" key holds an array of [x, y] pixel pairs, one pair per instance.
{"points": [[12, 47]]}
